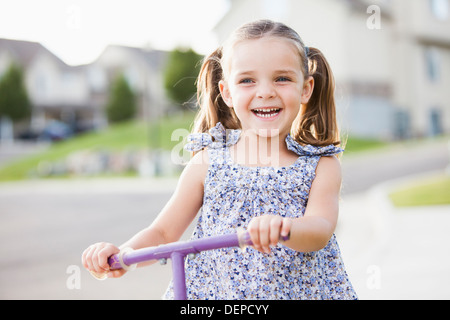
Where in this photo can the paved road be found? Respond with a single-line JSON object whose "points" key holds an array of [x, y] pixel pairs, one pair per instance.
{"points": [[45, 226], [361, 172]]}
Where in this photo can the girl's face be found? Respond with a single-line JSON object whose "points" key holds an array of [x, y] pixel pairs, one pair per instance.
{"points": [[265, 85]]}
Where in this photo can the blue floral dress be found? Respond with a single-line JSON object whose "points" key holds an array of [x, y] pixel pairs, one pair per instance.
{"points": [[234, 194]]}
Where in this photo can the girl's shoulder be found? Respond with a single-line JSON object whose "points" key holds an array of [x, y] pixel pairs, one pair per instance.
{"points": [[310, 150], [197, 168], [200, 158], [329, 165], [328, 174]]}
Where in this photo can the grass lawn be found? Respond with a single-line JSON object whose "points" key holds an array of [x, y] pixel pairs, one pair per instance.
{"points": [[435, 191], [354, 144], [124, 136]]}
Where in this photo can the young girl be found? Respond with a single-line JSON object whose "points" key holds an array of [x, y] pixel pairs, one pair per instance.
{"points": [[264, 146]]}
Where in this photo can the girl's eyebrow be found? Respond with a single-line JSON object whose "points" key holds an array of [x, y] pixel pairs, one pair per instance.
{"points": [[245, 73], [280, 71], [286, 71]]}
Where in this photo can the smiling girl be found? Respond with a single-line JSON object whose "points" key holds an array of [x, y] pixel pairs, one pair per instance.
{"points": [[264, 145]]}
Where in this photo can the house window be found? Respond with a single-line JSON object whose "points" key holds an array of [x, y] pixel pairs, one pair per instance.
{"points": [[97, 78], [132, 78], [433, 64], [68, 78], [41, 85], [440, 9], [435, 122]]}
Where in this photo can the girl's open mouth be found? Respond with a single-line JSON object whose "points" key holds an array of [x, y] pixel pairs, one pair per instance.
{"points": [[266, 112]]}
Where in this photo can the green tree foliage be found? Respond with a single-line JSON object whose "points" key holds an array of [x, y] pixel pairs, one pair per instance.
{"points": [[181, 75], [122, 103], [14, 101]]}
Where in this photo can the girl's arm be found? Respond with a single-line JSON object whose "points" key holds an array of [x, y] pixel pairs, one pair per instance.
{"points": [[181, 209], [169, 225], [312, 231]]}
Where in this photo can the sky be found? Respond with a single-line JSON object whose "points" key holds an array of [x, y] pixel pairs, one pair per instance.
{"points": [[77, 31]]}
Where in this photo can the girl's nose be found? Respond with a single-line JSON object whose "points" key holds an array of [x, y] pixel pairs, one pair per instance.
{"points": [[266, 91]]}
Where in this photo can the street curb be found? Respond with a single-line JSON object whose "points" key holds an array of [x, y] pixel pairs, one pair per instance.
{"points": [[383, 210]]}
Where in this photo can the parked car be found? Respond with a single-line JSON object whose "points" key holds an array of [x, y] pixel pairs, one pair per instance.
{"points": [[56, 131]]}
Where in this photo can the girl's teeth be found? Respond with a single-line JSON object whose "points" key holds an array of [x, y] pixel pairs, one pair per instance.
{"points": [[266, 113], [266, 110]]}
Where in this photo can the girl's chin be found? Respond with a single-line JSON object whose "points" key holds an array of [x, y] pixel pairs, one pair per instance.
{"points": [[264, 132]]}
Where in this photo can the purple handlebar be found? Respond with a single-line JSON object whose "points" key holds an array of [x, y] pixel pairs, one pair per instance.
{"points": [[177, 251], [239, 239]]}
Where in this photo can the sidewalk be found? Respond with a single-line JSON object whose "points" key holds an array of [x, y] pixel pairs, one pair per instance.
{"points": [[89, 185], [394, 253], [19, 149]]}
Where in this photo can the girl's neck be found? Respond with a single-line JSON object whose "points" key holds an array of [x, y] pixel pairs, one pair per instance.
{"points": [[254, 150]]}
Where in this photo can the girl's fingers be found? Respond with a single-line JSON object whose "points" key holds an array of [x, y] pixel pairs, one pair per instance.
{"points": [[275, 226], [286, 227], [116, 273], [95, 257], [87, 258], [104, 254], [266, 231], [253, 230]]}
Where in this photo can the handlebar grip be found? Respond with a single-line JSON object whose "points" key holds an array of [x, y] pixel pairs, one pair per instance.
{"points": [[117, 261], [114, 262]]}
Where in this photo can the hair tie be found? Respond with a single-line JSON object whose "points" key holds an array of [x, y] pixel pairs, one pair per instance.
{"points": [[307, 51]]}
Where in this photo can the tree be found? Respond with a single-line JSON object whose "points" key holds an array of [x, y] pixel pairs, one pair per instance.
{"points": [[14, 101], [122, 101], [181, 75]]}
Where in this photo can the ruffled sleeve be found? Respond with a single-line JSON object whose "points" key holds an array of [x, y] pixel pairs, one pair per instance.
{"points": [[310, 150], [217, 137]]}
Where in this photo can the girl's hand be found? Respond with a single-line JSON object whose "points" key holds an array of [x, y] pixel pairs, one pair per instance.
{"points": [[95, 259], [266, 230]]}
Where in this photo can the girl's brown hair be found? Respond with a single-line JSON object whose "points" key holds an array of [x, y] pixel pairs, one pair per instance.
{"points": [[316, 123]]}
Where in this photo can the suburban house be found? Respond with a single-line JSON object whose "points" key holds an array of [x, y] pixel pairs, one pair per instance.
{"points": [[77, 95], [391, 58], [56, 90], [143, 69]]}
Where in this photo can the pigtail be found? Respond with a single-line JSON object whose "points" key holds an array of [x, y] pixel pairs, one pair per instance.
{"points": [[317, 123], [212, 107]]}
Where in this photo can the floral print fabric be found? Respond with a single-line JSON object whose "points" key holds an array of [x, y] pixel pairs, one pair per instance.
{"points": [[234, 194]]}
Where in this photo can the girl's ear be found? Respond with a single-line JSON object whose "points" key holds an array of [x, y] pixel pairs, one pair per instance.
{"points": [[225, 93], [308, 88]]}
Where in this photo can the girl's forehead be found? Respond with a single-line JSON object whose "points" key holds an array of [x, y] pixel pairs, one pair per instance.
{"points": [[265, 41], [271, 50]]}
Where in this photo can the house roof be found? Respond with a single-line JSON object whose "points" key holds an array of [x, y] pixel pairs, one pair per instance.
{"points": [[155, 59], [26, 51], [355, 5]]}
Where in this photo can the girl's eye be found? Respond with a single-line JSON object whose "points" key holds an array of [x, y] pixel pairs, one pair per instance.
{"points": [[245, 81], [283, 79]]}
